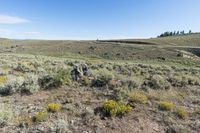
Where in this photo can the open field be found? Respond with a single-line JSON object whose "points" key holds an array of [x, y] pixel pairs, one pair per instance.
{"points": [[109, 86]]}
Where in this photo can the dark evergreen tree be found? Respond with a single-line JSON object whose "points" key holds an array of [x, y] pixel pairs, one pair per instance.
{"points": [[175, 33]]}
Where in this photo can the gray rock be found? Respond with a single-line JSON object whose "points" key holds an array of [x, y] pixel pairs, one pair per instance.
{"points": [[90, 111], [79, 71], [39, 129]]}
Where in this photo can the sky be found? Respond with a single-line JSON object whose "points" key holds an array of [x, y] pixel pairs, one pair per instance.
{"points": [[92, 19]]}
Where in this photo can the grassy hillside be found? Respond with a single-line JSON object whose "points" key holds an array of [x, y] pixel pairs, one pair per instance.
{"points": [[190, 40], [157, 49]]}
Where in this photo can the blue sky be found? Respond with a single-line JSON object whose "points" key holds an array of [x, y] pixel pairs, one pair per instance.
{"points": [[92, 19]]}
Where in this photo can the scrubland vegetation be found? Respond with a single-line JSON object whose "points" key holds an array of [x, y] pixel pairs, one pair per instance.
{"points": [[40, 93]]}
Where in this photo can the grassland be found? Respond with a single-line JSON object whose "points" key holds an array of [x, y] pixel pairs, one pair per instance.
{"points": [[135, 85]]}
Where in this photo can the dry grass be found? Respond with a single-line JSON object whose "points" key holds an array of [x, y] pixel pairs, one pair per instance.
{"points": [[138, 97], [181, 112], [165, 95]]}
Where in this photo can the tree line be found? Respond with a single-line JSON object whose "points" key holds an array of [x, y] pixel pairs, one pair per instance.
{"points": [[174, 33]]}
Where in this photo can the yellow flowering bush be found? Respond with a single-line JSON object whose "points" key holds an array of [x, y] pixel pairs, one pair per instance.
{"points": [[113, 108], [182, 113], [40, 116], [3, 79], [165, 105], [54, 107]]}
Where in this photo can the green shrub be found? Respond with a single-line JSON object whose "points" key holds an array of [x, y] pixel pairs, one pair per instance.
{"points": [[131, 84], [24, 67], [40, 116], [119, 94], [182, 113], [113, 108], [54, 107], [12, 86], [103, 77], [193, 80], [64, 76], [165, 105], [49, 82], [138, 97], [6, 90], [157, 82], [30, 85], [178, 81]]}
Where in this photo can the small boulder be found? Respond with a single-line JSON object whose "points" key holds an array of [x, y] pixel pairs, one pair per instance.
{"points": [[79, 71]]}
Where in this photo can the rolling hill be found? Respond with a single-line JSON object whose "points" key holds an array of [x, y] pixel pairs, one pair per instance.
{"points": [[166, 48]]}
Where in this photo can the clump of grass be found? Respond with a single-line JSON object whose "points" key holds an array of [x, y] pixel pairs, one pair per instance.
{"points": [[64, 76], [167, 106], [40, 116], [154, 94], [54, 107], [113, 108], [138, 97], [3, 79], [182, 113]]}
